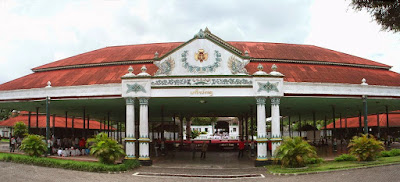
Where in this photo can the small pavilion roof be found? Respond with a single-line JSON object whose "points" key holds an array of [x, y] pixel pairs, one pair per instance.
{"points": [[394, 121], [59, 122]]}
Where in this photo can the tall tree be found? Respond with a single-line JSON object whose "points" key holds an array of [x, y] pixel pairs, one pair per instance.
{"points": [[5, 114], [384, 12]]}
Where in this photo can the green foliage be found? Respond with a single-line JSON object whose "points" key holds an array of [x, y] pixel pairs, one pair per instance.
{"points": [[333, 165], [385, 13], [390, 153], [5, 114], [365, 147], [69, 164], [203, 121], [20, 129], [295, 152], [194, 134], [314, 160], [106, 149], [203, 132], [33, 145], [345, 157]]}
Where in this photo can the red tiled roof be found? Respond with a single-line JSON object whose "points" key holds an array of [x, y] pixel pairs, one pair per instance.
{"points": [[394, 121], [330, 73], [59, 122], [293, 73], [115, 54], [257, 50]]}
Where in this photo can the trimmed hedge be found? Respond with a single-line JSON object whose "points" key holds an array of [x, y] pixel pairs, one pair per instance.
{"points": [[69, 164], [314, 160], [345, 157], [390, 153]]}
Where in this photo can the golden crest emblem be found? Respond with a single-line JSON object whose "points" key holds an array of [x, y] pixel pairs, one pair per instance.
{"points": [[201, 56]]}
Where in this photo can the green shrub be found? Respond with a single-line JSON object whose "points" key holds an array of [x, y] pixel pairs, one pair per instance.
{"points": [[20, 129], [385, 153], [295, 152], [107, 150], [394, 152], [33, 145], [194, 134], [390, 153], [365, 147], [345, 157], [314, 160], [69, 164], [203, 132]]}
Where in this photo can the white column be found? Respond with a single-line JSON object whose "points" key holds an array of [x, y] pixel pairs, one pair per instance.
{"points": [[261, 131], [130, 129], [144, 130], [212, 128], [276, 136]]}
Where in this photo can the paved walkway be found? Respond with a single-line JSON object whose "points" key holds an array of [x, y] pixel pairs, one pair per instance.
{"points": [[27, 173]]}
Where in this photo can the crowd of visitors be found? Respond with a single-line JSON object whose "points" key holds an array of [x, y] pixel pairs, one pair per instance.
{"points": [[66, 147]]}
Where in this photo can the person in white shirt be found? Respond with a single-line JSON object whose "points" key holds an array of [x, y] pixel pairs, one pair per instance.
{"points": [[60, 152]]}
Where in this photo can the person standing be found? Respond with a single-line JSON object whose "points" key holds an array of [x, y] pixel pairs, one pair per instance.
{"points": [[12, 144], [156, 147], [193, 148], [241, 148], [204, 150]]}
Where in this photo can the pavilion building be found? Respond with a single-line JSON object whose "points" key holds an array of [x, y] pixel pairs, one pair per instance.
{"points": [[207, 76]]}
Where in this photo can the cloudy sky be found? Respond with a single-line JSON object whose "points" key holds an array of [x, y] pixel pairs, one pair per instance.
{"points": [[33, 33]]}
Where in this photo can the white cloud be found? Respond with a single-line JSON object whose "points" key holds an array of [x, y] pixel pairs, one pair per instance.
{"points": [[336, 26]]}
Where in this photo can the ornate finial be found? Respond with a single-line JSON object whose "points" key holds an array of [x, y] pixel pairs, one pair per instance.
{"points": [[143, 73], [246, 53], [260, 70], [156, 55], [274, 67], [260, 67], [364, 81], [144, 69], [200, 35], [206, 30], [130, 70], [274, 72], [48, 84], [130, 73]]}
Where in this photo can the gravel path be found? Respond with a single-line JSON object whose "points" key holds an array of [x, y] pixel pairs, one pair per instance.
{"points": [[26, 173]]}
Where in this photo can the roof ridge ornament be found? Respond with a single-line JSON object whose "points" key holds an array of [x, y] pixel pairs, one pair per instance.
{"points": [[364, 81], [48, 84], [130, 73], [274, 72], [207, 30], [246, 54], [260, 71], [200, 34], [143, 73], [156, 55]]}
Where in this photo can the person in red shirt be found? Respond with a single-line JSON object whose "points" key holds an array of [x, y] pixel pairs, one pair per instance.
{"points": [[82, 143], [241, 148]]}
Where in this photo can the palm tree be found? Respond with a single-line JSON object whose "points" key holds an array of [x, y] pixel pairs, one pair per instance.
{"points": [[33, 145], [365, 147], [295, 152], [105, 149]]}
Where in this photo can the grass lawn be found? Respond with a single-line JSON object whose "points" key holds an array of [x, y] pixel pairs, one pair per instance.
{"points": [[333, 165], [5, 140], [69, 164]]}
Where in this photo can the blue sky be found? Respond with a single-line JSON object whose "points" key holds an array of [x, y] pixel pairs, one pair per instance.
{"points": [[34, 33]]}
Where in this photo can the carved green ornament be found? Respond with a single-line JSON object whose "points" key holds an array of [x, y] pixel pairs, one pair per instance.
{"points": [[268, 87], [135, 88]]}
